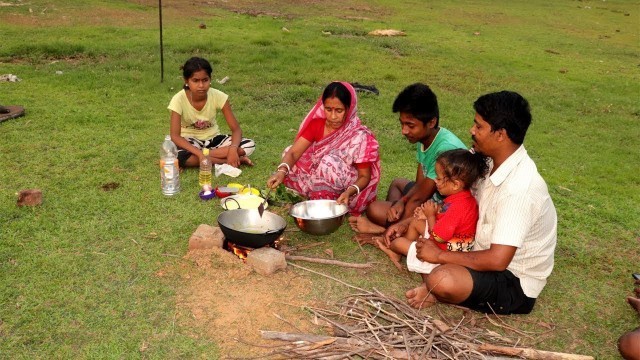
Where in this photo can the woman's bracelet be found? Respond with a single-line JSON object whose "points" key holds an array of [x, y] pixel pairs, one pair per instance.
{"points": [[282, 171], [357, 188], [285, 165], [235, 146]]}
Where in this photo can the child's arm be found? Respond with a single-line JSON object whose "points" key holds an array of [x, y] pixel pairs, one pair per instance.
{"points": [[233, 158]]}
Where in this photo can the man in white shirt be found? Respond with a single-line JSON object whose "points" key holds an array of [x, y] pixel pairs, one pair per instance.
{"points": [[516, 231]]}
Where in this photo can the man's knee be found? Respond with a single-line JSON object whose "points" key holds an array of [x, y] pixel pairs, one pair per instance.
{"points": [[629, 345], [450, 283], [377, 212]]}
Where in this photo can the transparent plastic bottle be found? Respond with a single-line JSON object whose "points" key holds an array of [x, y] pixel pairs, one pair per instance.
{"points": [[169, 169], [204, 177]]}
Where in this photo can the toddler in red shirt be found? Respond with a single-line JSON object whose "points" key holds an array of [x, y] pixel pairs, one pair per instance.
{"points": [[452, 224]]}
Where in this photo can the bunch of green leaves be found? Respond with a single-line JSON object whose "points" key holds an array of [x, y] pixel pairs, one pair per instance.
{"points": [[283, 196]]}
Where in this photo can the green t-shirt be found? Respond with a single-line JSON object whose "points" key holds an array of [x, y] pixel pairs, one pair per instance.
{"points": [[445, 140], [201, 124]]}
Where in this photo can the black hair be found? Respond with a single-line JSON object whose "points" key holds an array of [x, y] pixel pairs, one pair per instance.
{"points": [[419, 101], [195, 64], [337, 90], [463, 165], [505, 110]]}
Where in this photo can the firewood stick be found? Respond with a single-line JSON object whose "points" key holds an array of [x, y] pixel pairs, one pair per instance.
{"points": [[284, 336], [527, 353], [329, 262]]}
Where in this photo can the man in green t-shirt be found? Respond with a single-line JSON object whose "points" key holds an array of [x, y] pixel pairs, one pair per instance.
{"points": [[419, 118]]}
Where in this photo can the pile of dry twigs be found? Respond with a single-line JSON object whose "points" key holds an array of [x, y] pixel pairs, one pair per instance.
{"points": [[372, 325]]}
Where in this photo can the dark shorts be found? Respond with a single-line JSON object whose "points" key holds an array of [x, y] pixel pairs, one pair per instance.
{"points": [[408, 187], [436, 196], [215, 142], [499, 292]]}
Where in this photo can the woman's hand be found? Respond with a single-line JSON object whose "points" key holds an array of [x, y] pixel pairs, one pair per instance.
{"points": [[200, 155], [343, 198], [232, 157], [275, 180]]}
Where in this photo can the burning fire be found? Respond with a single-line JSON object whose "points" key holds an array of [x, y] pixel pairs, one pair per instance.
{"points": [[242, 252], [239, 251]]}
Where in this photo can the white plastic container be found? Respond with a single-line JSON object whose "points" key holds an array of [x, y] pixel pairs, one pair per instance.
{"points": [[169, 169]]}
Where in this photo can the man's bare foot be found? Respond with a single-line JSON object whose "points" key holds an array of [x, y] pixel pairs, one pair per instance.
{"points": [[394, 256], [246, 161], [634, 302], [420, 297], [361, 224]]}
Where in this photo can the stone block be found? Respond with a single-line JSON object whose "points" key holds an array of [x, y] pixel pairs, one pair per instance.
{"points": [[206, 237], [29, 197], [266, 260]]}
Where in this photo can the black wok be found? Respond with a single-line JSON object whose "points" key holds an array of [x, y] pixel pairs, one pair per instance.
{"points": [[245, 227]]}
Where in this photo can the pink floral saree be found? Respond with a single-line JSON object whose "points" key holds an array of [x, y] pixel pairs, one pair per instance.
{"points": [[327, 167]]}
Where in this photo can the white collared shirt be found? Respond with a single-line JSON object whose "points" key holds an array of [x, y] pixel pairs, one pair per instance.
{"points": [[516, 210]]}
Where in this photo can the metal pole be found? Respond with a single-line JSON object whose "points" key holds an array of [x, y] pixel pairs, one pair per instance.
{"points": [[161, 49]]}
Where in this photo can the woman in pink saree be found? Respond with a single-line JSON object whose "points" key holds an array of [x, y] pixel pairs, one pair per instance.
{"points": [[333, 156]]}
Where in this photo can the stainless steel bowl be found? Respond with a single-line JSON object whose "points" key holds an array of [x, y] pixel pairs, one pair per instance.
{"points": [[319, 217]]}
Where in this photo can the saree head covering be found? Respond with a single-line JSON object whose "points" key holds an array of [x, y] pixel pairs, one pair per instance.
{"points": [[328, 166]]}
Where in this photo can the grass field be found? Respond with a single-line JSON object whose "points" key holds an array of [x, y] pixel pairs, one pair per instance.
{"points": [[78, 272]]}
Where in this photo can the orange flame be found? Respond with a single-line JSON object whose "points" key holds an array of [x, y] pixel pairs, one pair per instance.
{"points": [[239, 251]]}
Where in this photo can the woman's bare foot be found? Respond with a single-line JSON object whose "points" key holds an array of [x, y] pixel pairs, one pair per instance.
{"points": [[420, 297], [394, 256], [361, 224], [246, 161]]}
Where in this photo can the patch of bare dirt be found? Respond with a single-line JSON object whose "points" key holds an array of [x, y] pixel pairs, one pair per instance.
{"points": [[147, 15], [351, 10], [224, 300]]}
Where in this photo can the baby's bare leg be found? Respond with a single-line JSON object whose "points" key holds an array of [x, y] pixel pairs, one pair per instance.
{"points": [[393, 255], [416, 229], [400, 246]]}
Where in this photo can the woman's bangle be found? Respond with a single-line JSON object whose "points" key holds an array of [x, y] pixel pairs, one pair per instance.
{"points": [[282, 171], [357, 188], [235, 146], [285, 165]]}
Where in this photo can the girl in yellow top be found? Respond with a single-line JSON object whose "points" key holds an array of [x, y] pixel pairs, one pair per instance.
{"points": [[193, 121]]}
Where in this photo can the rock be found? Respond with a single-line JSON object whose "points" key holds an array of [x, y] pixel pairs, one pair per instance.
{"points": [[206, 237], [202, 26], [29, 197], [266, 260]]}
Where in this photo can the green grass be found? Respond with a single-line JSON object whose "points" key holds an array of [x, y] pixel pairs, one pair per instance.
{"points": [[78, 272]]}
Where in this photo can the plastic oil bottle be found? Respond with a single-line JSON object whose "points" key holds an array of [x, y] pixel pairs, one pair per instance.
{"points": [[169, 169], [204, 177]]}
